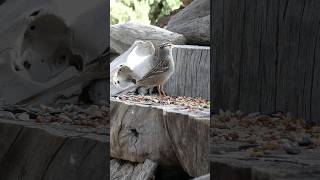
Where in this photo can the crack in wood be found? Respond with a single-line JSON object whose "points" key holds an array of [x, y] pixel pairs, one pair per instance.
{"points": [[88, 153], [13, 143], [53, 157]]}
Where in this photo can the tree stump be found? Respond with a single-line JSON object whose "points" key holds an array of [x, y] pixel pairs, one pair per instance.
{"points": [[167, 134], [191, 76]]}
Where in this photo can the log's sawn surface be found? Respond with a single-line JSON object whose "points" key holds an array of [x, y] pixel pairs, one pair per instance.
{"points": [[267, 56], [191, 76], [32, 151], [162, 133]]}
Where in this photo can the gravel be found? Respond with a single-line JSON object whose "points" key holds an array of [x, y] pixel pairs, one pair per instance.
{"points": [[92, 116]]}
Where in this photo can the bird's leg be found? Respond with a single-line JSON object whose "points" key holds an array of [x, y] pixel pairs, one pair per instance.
{"points": [[163, 91], [150, 90], [159, 90]]}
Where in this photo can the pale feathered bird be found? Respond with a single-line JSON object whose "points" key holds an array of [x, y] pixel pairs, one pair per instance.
{"points": [[159, 74]]}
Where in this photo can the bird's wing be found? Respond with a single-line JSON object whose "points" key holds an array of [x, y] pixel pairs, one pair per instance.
{"points": [[159, 68]]}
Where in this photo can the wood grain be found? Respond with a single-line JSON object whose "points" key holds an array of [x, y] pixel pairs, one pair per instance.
{"points": [[123, 170], [168, 135], [35, 151], [191, 76], [193, 22], [267, 54]]}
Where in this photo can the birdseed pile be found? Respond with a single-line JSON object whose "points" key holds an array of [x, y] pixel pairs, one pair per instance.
{"points": [[187, 102], [261, 134]]}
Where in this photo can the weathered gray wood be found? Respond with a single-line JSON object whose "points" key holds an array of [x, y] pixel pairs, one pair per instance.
{"points": [[257, 146], [44, 43], [8, 134], [122, 36], [237, 165], [69, 87], [124, 170], [267, 56], [193, 22], [191, 76], [168, 135], [47, 151]]}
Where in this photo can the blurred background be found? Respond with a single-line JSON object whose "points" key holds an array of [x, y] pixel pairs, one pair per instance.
{"points": [[155, 12]]}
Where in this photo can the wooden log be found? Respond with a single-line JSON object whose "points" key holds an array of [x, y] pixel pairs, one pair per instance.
{"points": [[166, 134], [191, 75], [45, 43], [236, 165], [123, 170], [34, 151], [193, 22], [267, 56], [122, 36], [258, 146]]}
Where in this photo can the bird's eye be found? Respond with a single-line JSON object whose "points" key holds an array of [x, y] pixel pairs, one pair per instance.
{"points": [[118, 82], [121, 65]]}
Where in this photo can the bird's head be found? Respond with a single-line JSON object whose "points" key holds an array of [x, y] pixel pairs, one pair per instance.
{"points": [[166, 45], [165, 48]]}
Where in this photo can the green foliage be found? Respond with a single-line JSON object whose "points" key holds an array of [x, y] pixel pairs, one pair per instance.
{"points": [[144, 11]]}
